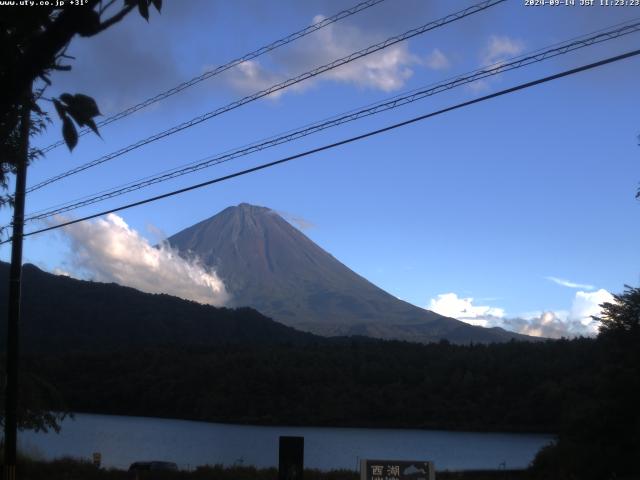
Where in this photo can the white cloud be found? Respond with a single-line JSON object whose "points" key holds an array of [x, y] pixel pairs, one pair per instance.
{"points": [[547, 324], [499, 48], [385, 70], [437, 60], [450, 305], [570, 284], [252, 77], [587, 304], [108, 250], [577, 321]]}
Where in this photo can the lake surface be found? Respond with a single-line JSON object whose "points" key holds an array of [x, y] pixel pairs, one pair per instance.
{"points": [[124, 440]]}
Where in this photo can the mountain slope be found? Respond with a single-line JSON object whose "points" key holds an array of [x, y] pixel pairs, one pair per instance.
{"points": [[271, 266], [61, 314]]}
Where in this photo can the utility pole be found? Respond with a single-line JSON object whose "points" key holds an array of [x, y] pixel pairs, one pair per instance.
{"points": [[15, 278]]}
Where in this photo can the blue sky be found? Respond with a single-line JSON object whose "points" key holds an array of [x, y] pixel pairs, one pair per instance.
{"points": [[470, 213]]}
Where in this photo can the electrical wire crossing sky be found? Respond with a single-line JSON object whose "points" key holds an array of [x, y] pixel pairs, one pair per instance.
{"points": [[348, 117], [515, 211]]}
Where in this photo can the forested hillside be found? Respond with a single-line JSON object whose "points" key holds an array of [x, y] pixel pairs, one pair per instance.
{"points": [[514, 386], [61, 314]]}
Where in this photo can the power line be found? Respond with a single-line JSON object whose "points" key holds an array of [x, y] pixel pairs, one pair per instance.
{"points": [[571, 44], [343, 142], [394, 102], [222, 68], [277, 87]]}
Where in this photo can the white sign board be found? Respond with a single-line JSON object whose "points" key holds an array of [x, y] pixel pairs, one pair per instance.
{"points": [[396, 470]]}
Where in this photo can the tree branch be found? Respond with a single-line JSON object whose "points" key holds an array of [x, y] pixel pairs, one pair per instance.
{"points": [[106, 7], [114, 19], [41, 53]]}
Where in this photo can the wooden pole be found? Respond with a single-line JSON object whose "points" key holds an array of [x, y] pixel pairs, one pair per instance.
{"points": [[15, 278]]}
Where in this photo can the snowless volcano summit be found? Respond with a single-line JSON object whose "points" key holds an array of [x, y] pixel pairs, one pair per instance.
{"points": [[269, 265]]}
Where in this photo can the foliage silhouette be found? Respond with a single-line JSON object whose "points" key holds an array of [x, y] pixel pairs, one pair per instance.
{"points": [[34, 43], [601, 439]]}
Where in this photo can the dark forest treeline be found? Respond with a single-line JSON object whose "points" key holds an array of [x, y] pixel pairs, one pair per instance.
{"points": [[137, 354], [586, 390], [514, 386]]}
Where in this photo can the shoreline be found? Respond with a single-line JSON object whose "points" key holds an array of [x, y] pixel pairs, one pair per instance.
{"points": [[70, 467], [434, 428], [326, 448]]}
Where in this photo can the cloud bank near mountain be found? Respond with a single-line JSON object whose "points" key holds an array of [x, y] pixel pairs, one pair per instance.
{"points": [[109, 250], [576, 321]]}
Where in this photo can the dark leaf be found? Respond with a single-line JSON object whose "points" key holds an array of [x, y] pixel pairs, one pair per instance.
{"points": [[64, 68], [82, 108], [90, 23], [86, 104], [78, 117], [69, 133], [36, 108], [92, 125], [143, 7], [157, 4], [60, 109], [66, 98]]}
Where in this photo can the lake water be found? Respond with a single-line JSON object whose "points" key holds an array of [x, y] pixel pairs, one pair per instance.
{"points": [[123, 440]]}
